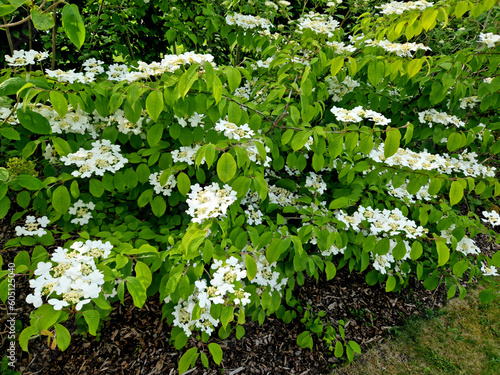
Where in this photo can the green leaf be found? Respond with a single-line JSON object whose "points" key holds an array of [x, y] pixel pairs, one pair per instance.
{"points": [[300, 139], [416, 250], [137, 291], [61, 146], [339, 349], [183, 183], [226, 167], [188, 79], [486, 296], [4, 10], [143, 274], [92, 318], [29, 182], [305, 340], [390, 284], [34, 122], [10, 133], [337, 64], [376, 71], [63, 337], [443, 253], [456, 192], [25, 336], [216, 352], [96, 187], [61, 200], [273, 251], [414, 66], [330, 269], [155, 134], [226, 316], [42, 21], [154, 105], [73, 25], [187, 360], [233, 78], [354, 346], [251, 266], [392, 139], [158, 206], [11, 86]]}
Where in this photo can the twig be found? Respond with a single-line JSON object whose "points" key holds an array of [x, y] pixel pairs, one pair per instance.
{"points": [[9, 38], [53, 63]]}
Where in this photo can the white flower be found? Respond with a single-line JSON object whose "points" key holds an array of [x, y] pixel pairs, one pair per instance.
{"points": [[81, 210], [492, 218], [489, 39], [489, 271], [32, 226], [58, 304]]}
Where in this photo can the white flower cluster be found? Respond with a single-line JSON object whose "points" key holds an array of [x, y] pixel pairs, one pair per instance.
{"points": [[254, 214], [70, 76], [382, 263], [267, 276], [248, 92], [22, 58], [194, 120], [226, 287], [123, 124], [50, 154], [166, 189], [341, 47], [75, 276], [466, 163], [489, 271], [233, 131], [254, 156], [81, 210], [103, 157], [492, 218], [401, 192], [186, 154], [469, 101], [466, 245], [319, 23], [281, 196], [357, 114], [385, 222], [209, 202], [400, 49], [488, 80], [399, 7], [432, 116], [316, 183], [93, 66], [33, 226], [337, 89], [489, 39], [248, 22]]}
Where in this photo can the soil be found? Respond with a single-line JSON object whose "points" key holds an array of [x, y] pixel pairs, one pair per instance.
{"points": [[136, 341]]}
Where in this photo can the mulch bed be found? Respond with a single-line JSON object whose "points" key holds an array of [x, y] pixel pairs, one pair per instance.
{"points": [[135, 341]]}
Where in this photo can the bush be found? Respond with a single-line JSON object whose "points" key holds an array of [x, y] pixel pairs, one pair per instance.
{"points": [[217, 180]]}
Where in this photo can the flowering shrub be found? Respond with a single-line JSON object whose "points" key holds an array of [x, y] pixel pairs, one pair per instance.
{"points": [[217, 187]]}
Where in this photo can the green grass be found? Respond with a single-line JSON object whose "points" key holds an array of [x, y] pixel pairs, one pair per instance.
{"points": [[461, 338]]}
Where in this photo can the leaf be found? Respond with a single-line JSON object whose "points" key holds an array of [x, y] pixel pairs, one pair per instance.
{"points": [[414, 66], [143, 274], [376, 71], [11, 86], [443, 253], [456, 192], [34, 122], [61, 200], [188, 79], [10, 133], [154, 104], [187, 360], [61, 146], [158, 206], [92, 318], [337, 64], [339, 349], [226, 167], [392, 139], [73, 25], [42, 21], [251, 266], [390, 284], [330, 269], [216, 352], [183, 183], [305, 340], [29, 182], [96, 187], [137, 291], [63, 337], [300, 139], [233, 78]]}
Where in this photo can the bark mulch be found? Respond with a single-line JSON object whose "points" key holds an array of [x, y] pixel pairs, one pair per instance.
{"points": [[135, 341]]}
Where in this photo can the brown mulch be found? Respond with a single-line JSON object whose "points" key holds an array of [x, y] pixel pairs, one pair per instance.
{"points": [[135, 341]]}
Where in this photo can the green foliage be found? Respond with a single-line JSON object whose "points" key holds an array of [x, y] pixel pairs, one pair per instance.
{"points": [[250, 159]]}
